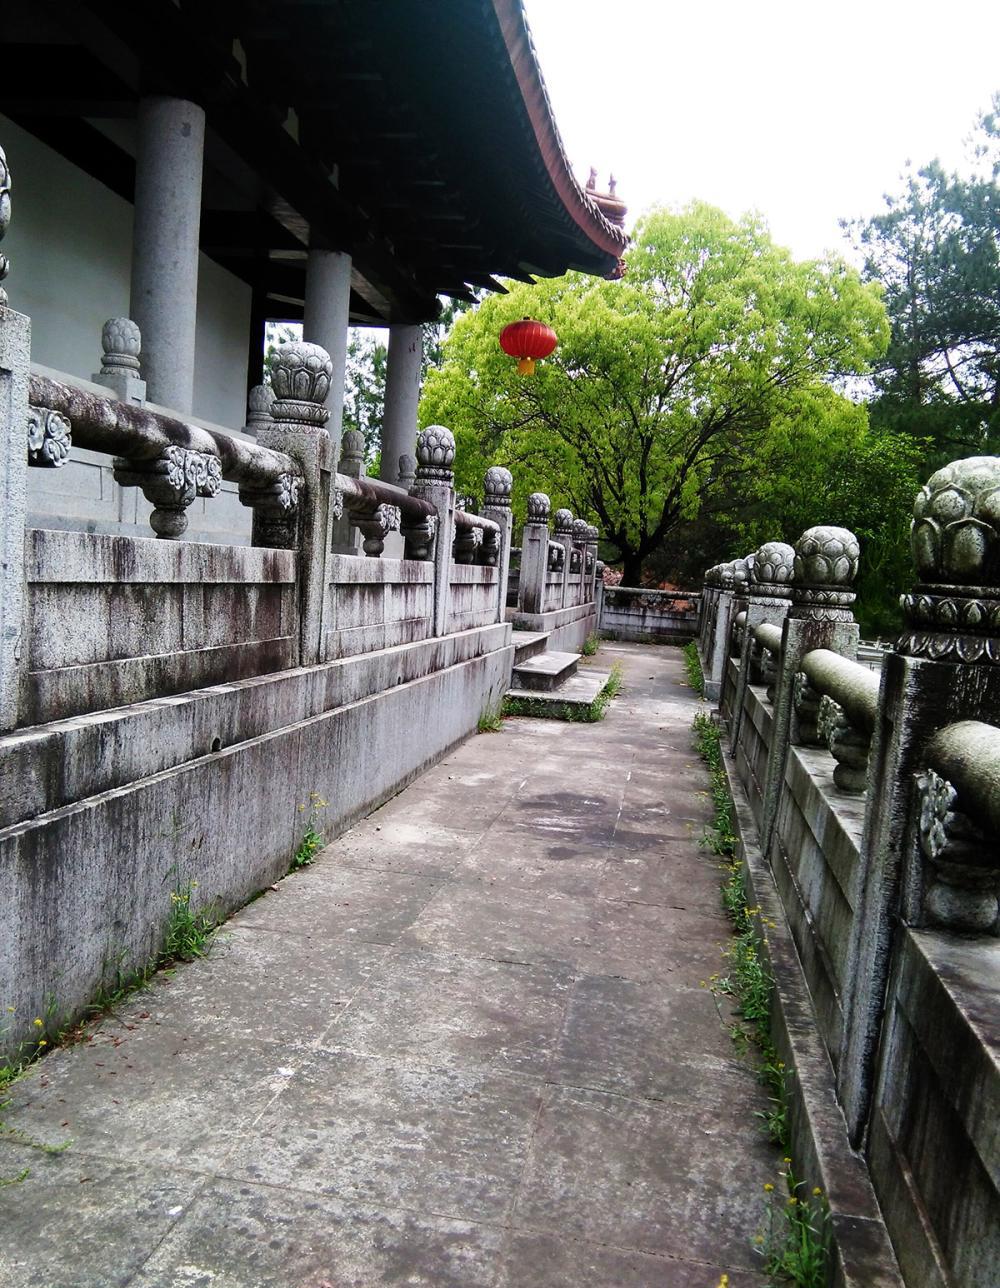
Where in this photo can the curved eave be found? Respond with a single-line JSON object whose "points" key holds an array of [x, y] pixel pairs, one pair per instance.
{"points": [[602, 235]]}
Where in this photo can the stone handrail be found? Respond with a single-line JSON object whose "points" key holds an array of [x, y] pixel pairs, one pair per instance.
{"points": [[375, 492], [466, 522], [768, 636], [652, 593], [377, 508], [850, 684], [103, 424], [967, 755]]}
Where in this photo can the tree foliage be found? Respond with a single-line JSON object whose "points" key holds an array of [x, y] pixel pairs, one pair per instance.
{"points": [[667, 386], [935, 249]]}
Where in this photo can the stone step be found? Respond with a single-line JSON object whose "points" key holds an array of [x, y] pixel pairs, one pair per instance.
{"points": [[579, 690], [545, 671], [528, 644]]}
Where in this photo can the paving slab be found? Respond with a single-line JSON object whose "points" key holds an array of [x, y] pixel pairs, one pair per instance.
{"points": [[468, 1046]]}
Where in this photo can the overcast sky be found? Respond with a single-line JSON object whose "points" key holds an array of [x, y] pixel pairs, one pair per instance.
{"points": [[804, 111]]}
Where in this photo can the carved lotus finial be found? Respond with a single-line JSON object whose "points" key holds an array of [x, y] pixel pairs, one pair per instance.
{"points": [[827, 556], [727, 575], [122, 344], [581, 530], [593, 533], [407, 470], [260, 400], [436, 453], [741, 572], [562, 521], [498, 484], [956, 524], [5, 186], [539, 506], [774, 564], [300, 378]]}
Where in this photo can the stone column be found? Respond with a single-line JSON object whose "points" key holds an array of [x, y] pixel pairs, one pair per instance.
{"points": [[15, 357], [534, 555], [402, 394], [168, 167], [436, 483], [325, 322], [944, 669], [562, 535], [300, 378], [825, 565], [768, 600], [497, 487]]}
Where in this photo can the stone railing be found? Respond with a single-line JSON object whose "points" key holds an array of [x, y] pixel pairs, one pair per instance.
{"points": [[871, 827], [337, 563], [557, 576]]}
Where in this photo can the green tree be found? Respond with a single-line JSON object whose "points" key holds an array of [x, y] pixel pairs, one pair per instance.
{"points": [[364, 387], [665, 386], [935, 250]]}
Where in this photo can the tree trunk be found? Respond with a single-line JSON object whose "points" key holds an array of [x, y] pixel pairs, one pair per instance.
{"points": [[632, 569]]}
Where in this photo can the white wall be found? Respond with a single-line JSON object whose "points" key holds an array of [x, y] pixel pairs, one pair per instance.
{"points": [[70, 248]]}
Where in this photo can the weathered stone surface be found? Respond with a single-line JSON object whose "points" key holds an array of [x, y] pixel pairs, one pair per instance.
{"points": [[454, 1044]]}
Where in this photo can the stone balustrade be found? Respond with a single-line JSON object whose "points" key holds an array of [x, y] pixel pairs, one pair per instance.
{"points": [[557, 577], [872, 830]]}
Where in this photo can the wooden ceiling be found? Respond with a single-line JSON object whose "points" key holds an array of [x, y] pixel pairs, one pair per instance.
{"points": [[416, 136]]}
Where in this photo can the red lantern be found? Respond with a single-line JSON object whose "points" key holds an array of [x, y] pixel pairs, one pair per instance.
{"points": [[528, 340]]}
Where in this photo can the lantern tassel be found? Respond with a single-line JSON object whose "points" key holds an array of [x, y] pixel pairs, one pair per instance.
{"points": [[526, 367]]}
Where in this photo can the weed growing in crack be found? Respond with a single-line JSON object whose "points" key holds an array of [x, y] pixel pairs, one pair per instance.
{"points": [[189, 933], [491, 721], [313, 839], [794, 1238], [591, 644]]}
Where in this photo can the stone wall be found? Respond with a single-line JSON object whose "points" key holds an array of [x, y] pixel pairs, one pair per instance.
{"points": [[649, 616], [865, 785]]}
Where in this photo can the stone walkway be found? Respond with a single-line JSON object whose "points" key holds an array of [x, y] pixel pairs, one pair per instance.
{"points": [[467, 1047]]}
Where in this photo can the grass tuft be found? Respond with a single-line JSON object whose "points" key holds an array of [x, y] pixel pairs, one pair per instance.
{"points": [[692, 667], [491, 721], [591, 644]]}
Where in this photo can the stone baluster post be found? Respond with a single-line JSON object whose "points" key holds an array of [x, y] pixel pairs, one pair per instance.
{"points": [[593, 537], [300, 378], [260, 406], [944, 669], [497, 486], [534, 555], [581, 535], [599, 591], [718, 644], [15, 357], [120, 366], [709, 604], [562, 534], [407, 471], [768, 600], [436, 483], [825, 565]]}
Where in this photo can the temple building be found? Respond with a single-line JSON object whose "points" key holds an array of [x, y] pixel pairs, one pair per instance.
{"points": [[203, 168]]}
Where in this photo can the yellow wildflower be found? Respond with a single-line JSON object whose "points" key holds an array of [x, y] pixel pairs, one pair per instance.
{"points": [[768, 1187], [792, 1201], [39, 1024], [816, 1191]]}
